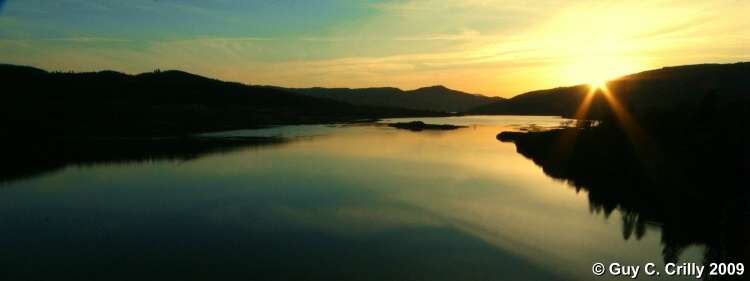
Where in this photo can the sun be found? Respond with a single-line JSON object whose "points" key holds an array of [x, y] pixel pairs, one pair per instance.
{"points": [[597, 76], [597, 72], [598, 83]]}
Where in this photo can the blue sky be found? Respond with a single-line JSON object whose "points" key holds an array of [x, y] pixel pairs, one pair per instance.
{"points": [[491, 47]]}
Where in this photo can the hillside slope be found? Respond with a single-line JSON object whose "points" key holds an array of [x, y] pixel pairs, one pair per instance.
{"points": [[660, 88], [37, 102], [434, 98]]}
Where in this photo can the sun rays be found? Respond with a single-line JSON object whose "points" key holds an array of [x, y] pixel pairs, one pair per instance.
{"points": [[567, 138], [616, 115]]}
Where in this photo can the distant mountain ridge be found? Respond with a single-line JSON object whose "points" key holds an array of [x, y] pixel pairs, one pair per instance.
{"points": [[433, 98], [658, 88], [35, 101], [40, 103]]}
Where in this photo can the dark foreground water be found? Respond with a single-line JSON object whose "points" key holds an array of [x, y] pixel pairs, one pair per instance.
{"points": [[347, 202]]}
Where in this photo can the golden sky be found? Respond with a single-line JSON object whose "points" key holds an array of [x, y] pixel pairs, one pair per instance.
{"points": [[501, 48]]}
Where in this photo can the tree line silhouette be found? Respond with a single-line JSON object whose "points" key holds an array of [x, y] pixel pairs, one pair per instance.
{"points": [[694, 186], [36, 103]]}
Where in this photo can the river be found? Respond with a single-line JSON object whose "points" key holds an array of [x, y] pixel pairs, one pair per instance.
{"points": [[329, 202]]}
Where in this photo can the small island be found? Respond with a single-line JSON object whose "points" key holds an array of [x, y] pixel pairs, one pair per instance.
{"points": [[416, 126]]}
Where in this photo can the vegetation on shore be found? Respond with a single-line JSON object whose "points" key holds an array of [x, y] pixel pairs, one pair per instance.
{"points": [[52, 119], [37, 103], [682, 168]]}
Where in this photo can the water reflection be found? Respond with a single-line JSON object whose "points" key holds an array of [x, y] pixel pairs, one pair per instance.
{"points": [[364, 203], [695, 214], [28, 158]]}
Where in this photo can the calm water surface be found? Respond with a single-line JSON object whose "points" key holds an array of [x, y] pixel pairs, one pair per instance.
{"points": [[345, 202]]}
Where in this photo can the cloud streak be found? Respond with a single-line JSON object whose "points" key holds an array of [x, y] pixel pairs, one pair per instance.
{"points": [[491, 47]]}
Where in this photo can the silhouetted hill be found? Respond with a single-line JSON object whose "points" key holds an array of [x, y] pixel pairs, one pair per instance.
{"points": [[659, 88], [435, 98], [561, 101], [35, 102]]}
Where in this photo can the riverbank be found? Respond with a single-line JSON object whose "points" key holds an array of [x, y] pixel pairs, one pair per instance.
{"points": [[41, 104], [684, 170]]}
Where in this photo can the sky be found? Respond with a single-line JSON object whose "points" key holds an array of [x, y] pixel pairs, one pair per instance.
{"points": [[496, 48]]}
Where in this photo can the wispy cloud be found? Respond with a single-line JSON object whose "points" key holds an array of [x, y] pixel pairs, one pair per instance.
{"points": [[492, 47], [88, 39], [329, 38], [69, 39], [204, 40], [466, 34]]}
